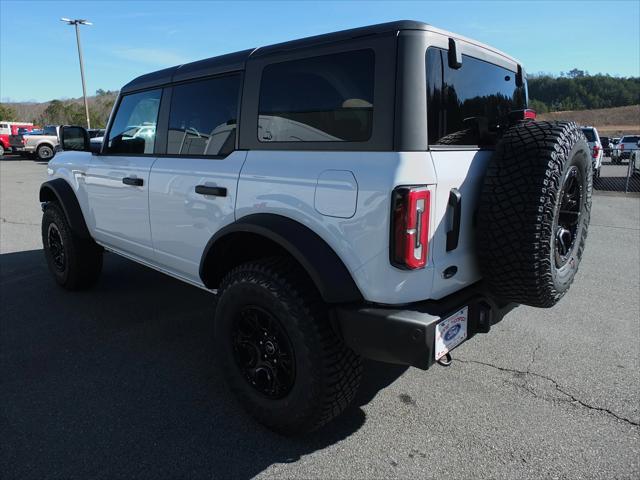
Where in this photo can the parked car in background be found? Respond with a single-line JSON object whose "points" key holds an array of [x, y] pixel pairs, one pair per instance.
{"points": [[635, 160], [42, 144], [606, 146], [96, 132], [593, 139], [11, 128], [627, 144]]}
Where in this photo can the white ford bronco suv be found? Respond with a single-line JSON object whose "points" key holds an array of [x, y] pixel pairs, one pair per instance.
{"points": [[381, 192]]}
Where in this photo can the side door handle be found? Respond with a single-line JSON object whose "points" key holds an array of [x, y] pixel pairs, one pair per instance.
{"points": [[215, 191], [453, 235], [134, 182]]}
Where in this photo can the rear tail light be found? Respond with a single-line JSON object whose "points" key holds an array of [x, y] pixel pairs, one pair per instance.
{"points": [[622, 146], [596, 150], [410, 227], [519, 115]]}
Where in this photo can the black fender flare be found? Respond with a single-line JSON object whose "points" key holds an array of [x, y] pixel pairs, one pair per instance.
{"points": [[60, 191], [327, 271]]}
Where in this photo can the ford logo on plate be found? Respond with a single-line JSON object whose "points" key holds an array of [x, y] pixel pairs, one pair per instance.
{"points": [[452, 332]]}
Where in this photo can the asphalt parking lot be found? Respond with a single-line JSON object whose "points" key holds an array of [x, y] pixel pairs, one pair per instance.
{"points": [[121, 380]]}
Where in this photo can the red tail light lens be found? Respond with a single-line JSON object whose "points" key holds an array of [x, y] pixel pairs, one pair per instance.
{"points": [[410, 227], [596, 150], [622, 146]]}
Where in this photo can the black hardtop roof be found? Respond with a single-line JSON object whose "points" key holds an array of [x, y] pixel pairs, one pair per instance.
{"points": [[235, 61]]}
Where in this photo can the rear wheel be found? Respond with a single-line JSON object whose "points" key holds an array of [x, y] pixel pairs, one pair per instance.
{"points": [[74, 262], [44, 153], [278, 350], [1, 151], [534, 212]]}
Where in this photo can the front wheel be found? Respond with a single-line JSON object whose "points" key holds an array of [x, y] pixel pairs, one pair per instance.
{"points": [[1, 151], [277, 348], [74, 262]]}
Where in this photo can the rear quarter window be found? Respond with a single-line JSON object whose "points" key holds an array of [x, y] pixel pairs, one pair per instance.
{"points": [[470, 105], [326, 98]]}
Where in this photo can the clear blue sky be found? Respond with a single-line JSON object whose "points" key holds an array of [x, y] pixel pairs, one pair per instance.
{"points": [[38, 58]]}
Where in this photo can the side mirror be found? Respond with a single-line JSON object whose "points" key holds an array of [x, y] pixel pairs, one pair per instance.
{"points": [[95, 145], [638, 143], [74, 138]]}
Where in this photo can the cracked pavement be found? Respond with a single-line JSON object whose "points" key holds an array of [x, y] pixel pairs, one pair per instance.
{"points": [[121, 381]]}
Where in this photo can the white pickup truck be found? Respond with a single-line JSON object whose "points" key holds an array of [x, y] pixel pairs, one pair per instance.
{"points": [[41, 144]]}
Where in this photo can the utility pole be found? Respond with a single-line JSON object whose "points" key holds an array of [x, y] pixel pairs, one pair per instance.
{"points": [[76, 23]]}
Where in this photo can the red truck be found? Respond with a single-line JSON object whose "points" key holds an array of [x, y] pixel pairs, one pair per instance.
{"points": [[11, 128]]}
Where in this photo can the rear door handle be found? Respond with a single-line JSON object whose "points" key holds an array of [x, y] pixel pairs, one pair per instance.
{"points": [[453, 235], [215, 191], [134, 182]]}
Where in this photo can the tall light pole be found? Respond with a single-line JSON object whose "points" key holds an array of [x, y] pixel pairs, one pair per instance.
{"points": [[75, 23]]}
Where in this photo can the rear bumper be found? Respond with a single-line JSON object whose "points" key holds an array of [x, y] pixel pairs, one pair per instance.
{"points": [[406, 335]]}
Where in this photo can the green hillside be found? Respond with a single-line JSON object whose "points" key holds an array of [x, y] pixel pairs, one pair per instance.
{"points": [[578, 90]]}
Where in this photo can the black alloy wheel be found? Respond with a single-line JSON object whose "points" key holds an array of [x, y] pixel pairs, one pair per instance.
{"points": [[568, 217], [56, 247], [263, 352]]}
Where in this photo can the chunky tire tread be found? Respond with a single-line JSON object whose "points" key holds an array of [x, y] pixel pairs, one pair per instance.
{"points": [[84, 257], [334, 377], [517, 207]]}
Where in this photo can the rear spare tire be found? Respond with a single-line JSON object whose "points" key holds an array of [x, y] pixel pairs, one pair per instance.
{"points": [[534, 212]]}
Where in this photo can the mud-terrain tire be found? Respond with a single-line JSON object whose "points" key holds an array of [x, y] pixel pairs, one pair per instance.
{"points": [[44, 153], [534, 211], [74, 262], [269, 310]]}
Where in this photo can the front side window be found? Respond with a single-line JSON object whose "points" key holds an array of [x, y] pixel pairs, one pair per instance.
{"points": [[134, 127], [327, 98], [203, 118], [470, 105]]}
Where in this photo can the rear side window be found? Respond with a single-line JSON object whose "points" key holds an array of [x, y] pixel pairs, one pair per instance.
{"points": [[470, 105], [630, 139], [134, 127], [203, 118], [327, 98]]}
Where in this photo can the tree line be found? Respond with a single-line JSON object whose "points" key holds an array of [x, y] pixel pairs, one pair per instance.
{"points": [[63, 112], [578, 90]]}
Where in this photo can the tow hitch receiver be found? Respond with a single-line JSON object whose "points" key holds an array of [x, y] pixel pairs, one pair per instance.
{"points": [[445, 360], [420, 334]]}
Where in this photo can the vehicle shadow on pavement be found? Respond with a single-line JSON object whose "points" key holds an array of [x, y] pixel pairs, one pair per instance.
{"points": [[121, 381]]}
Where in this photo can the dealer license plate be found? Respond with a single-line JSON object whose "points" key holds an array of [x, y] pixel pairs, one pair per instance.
{"points": [[451, 332]]}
